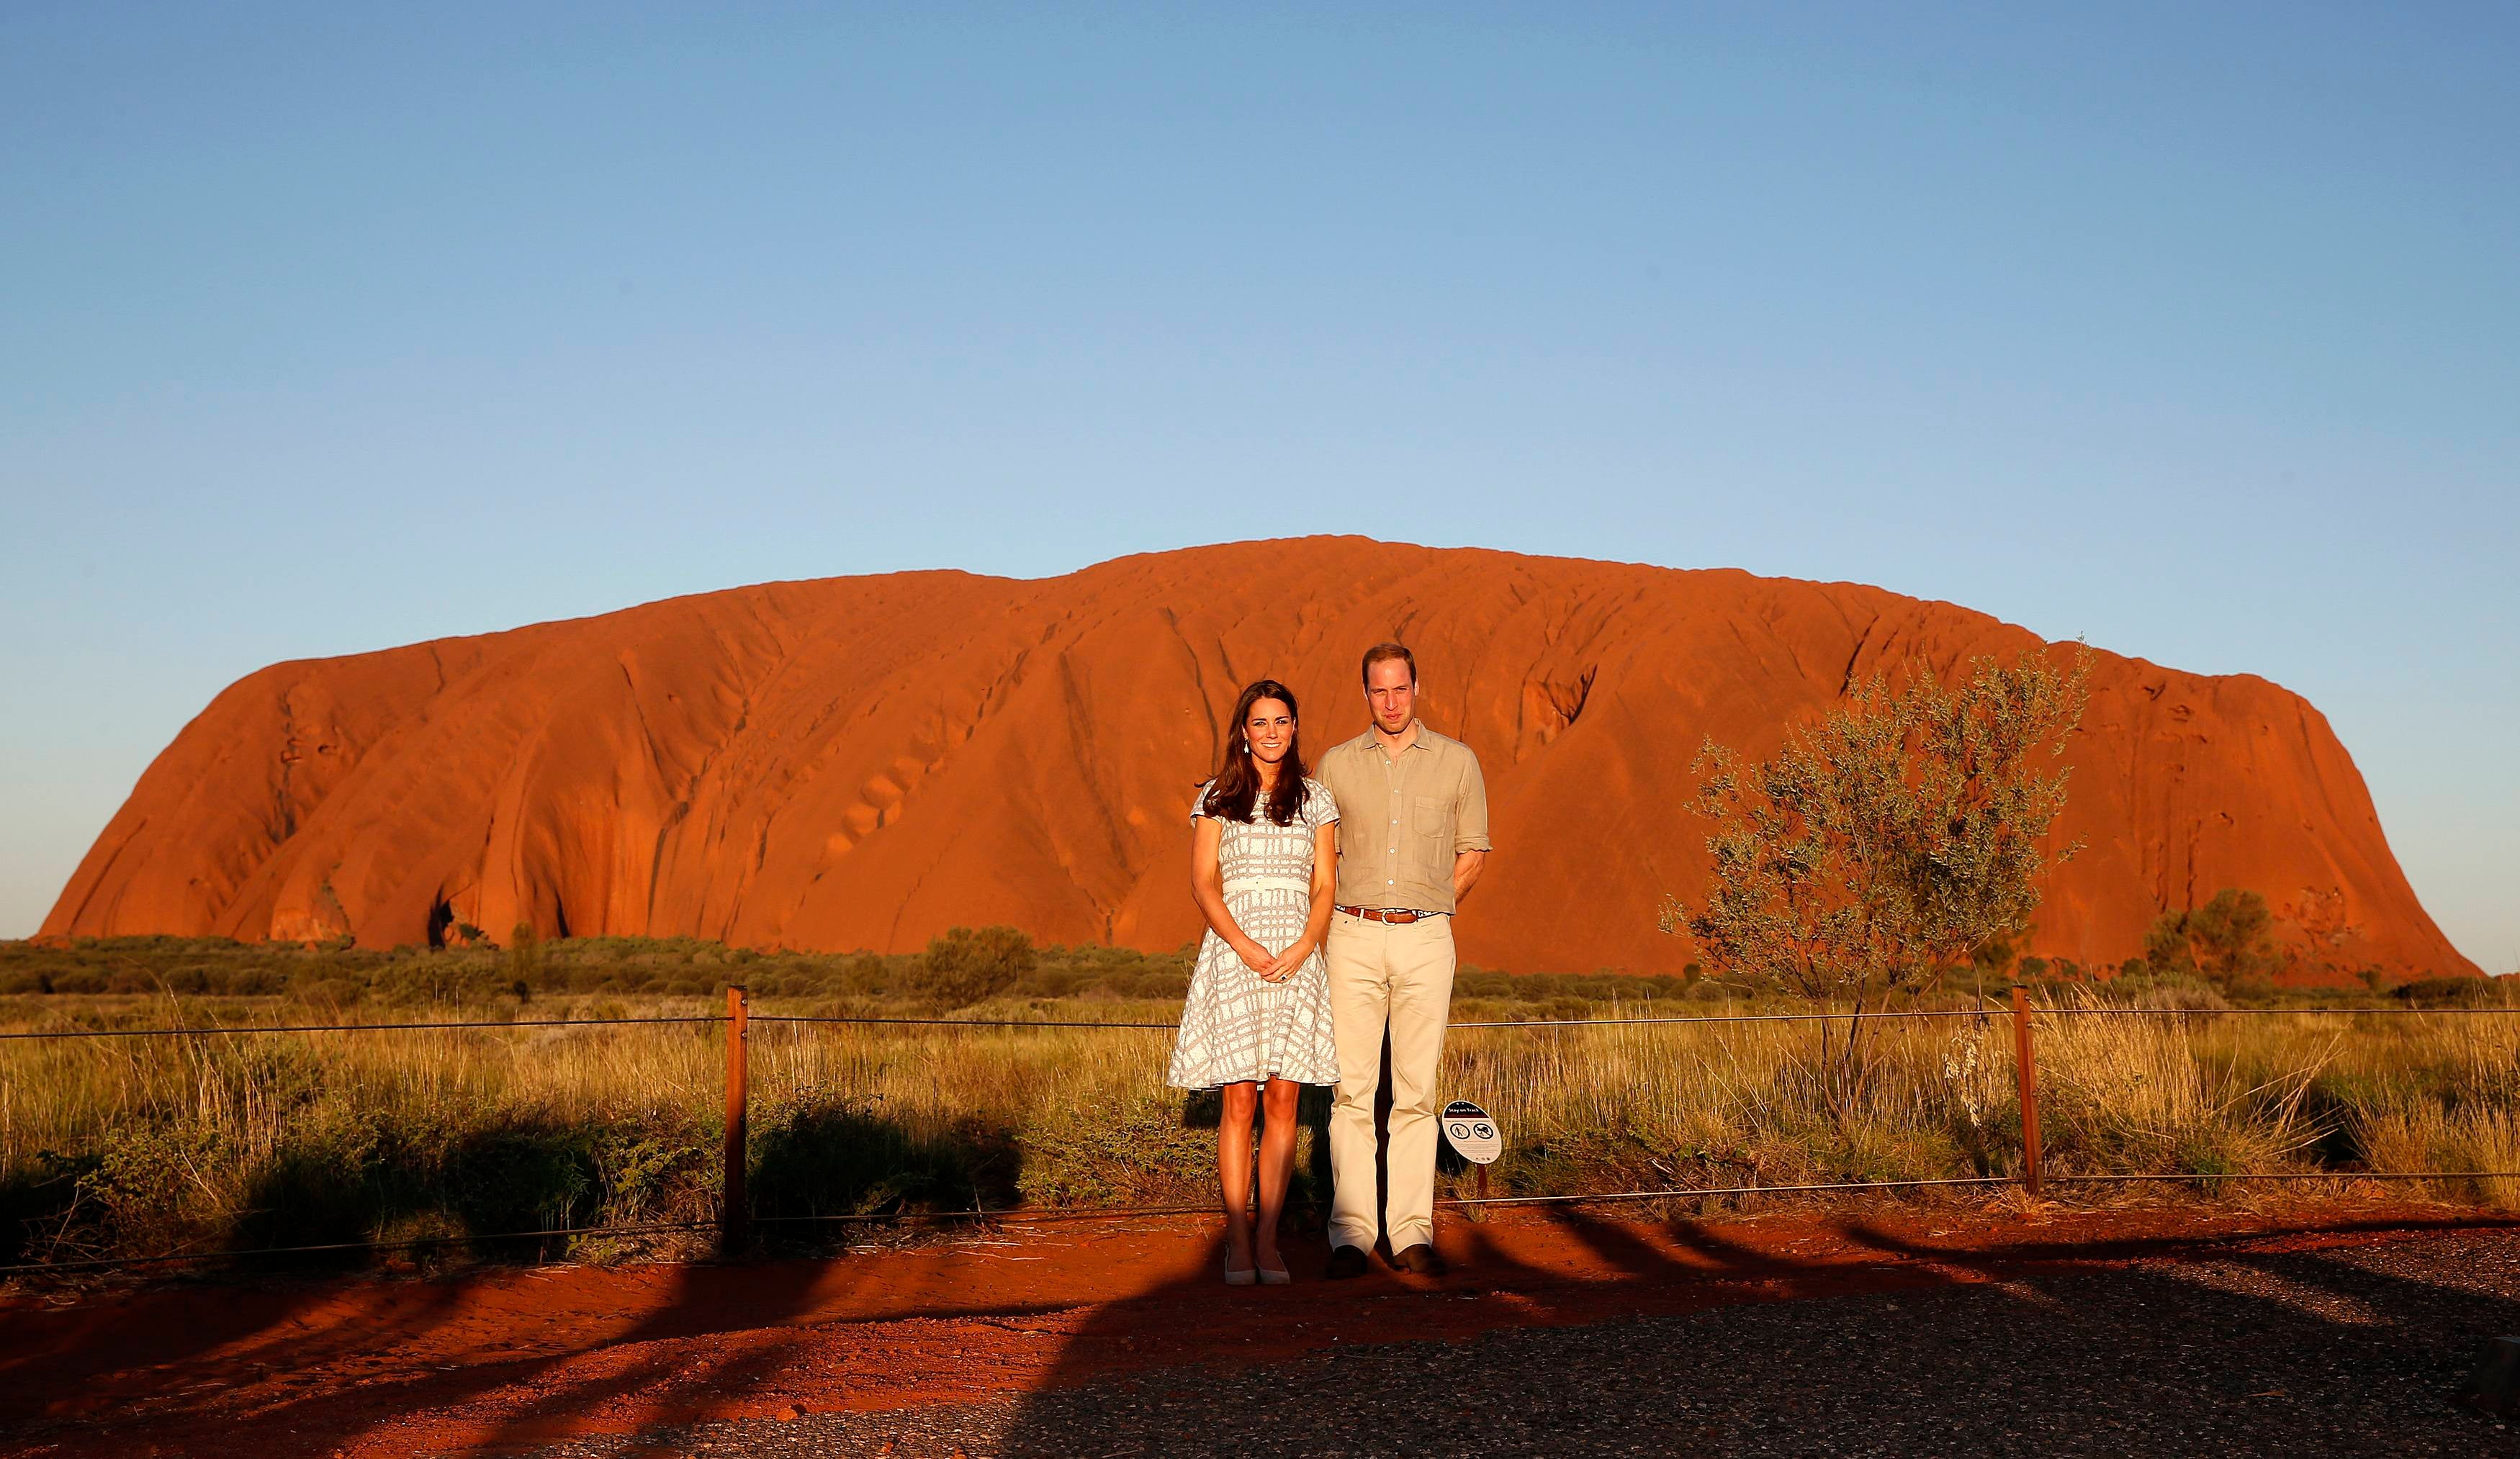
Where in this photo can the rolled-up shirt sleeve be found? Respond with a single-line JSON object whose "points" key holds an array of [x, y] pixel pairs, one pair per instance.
{"points": [[1471, 826]]}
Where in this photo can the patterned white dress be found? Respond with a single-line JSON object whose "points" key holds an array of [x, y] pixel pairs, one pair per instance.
{"points": [[1236, 1025]]}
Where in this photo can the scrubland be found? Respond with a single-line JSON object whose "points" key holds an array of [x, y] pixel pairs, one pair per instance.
{"points": [[130, 1147]]}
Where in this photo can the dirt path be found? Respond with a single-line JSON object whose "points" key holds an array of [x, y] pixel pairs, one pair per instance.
{"points": [[519, 1360], [2253, 1350]]}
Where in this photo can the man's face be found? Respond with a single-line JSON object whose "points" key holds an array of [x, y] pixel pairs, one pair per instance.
{"points": [[1391, 694]]}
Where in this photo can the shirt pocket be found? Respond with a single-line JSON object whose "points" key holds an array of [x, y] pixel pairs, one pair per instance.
{"points": [[1432, 820]]}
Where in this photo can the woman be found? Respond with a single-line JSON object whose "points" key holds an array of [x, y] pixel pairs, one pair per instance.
{"points": [[1257, 1023]]}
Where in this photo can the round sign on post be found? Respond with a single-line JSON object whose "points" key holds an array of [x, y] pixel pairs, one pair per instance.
{"points": [[1471, 1133]]}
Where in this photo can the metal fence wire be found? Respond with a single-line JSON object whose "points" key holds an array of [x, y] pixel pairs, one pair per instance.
{"points": [[735, 1219]]}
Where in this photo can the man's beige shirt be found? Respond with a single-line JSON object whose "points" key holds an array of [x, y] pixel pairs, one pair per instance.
{"points": [[1401, 822]]}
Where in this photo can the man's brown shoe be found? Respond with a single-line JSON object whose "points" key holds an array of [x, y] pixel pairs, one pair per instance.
{"points": [[1419, 1258], [1345, 1262]]}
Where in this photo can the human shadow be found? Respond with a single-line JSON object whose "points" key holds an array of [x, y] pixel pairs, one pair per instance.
{"points": [[2165, 1344], [1141, 1351]]}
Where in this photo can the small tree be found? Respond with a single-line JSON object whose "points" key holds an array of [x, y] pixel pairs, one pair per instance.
{"points": [[525, 956], [2227, 942], [1996, 957], [966, 967], [1888, 843]]}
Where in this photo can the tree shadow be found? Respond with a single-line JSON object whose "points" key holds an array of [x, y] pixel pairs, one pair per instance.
{"points": [[843, 1160], [520, 1174], [259, 1311], [231, 1328], [813, 1162], [38, 1196]]}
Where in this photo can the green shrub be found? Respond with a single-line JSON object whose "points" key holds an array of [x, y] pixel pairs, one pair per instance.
{"points": [[2227, 942], [524, 954], [2440, 990], [966, 967]]}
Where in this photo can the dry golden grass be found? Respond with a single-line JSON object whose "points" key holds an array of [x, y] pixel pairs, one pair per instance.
{"points": [[133, 1146], [130, 1147]]}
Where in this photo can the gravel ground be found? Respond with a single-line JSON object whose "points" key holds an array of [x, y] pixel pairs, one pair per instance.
{"points": [[2344, 1352]]}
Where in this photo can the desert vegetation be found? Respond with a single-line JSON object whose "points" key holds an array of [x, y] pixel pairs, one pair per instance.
{"points": [[1887, 841], [112, 1147]]}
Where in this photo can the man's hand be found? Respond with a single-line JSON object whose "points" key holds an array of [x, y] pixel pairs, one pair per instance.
{"points": [[1466, 866]]}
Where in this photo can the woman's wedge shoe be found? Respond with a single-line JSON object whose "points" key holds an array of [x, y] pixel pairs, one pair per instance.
{"points": [[1243, 1278], [1274, 1277]]}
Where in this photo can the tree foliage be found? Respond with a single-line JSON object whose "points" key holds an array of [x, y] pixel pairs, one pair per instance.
{"points": [[2227, 942], [1890, 841], [963, 967]]}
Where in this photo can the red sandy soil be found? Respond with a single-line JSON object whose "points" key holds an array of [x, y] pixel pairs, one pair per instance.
{"points": [[864, 762], [506, 1359]]}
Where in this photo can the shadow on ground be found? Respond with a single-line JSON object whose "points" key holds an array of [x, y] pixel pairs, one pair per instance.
{"points": [[2118, 1347], [1895, 1329], [94, 1375]]}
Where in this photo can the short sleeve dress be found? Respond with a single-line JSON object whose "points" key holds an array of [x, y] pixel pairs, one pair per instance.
{"points": [[1235, 1025]]}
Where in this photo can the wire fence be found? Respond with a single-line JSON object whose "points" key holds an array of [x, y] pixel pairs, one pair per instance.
{"points": [[1993, 1011], [735, 1219], [351, 1028], [1830, 1016]]}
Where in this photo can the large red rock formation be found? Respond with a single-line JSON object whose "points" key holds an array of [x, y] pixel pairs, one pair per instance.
{"points": [[864, 762]]}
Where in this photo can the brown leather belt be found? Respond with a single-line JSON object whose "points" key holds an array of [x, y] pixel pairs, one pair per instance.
{"points": [[1390, 916]]}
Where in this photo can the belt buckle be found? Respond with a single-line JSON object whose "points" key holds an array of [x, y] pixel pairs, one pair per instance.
{"points": [[1388, 916]]}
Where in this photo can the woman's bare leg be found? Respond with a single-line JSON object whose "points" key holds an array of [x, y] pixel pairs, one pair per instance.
{"points": [[1233, 1170], [1276, 1163]]}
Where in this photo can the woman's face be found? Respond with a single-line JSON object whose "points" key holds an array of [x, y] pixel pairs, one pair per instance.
{"points": [[1269, 730]]}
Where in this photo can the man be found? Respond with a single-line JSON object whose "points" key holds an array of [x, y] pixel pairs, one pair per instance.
{"points": [[1412, 835]]}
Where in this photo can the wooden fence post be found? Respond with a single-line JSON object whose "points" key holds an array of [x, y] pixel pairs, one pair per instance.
{"points": [[2026, 1064], [734, 1214]]}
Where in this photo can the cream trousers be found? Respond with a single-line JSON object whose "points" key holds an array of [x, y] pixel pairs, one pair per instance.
{"points": [[1400, 978]]}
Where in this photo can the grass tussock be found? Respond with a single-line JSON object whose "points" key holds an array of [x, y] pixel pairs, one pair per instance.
{"points": [[139, 1148]]}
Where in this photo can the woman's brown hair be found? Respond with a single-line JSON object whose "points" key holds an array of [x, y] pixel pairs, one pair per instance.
{"points": [[1237, 781]]}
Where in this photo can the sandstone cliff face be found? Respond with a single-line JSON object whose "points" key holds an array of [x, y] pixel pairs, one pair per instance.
{"points": [[864, 762]]}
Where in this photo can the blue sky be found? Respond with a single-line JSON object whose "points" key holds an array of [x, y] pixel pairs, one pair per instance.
{"points": [[2192, 330]]}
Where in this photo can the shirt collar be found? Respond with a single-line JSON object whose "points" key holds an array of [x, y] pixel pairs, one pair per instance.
{"points": [[1417, 741]]}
